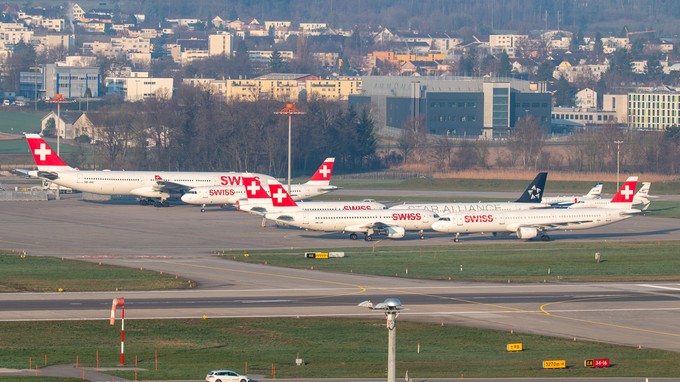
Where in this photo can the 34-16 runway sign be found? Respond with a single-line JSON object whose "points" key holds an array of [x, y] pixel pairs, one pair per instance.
{"points": [[597, 363]]}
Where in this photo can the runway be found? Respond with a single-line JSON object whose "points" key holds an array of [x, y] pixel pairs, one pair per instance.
{"points": [[182, 241]]}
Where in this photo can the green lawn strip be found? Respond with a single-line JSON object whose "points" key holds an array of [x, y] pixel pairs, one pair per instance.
{"points": [[664, 209], [188, 349], [18, 121], [21, 273], [510, 261]]}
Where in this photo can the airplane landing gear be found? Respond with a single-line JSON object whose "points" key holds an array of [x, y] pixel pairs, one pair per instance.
{"points": [[545, 238], [368, 237], [353, 236], [203, 208], [422, 237], [457, 238]]}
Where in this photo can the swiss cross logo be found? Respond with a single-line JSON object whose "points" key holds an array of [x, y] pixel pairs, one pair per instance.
{"points": [[42, 152], [279, 195], [253, 188], [158, 178], [324, 171], [627, 192]]}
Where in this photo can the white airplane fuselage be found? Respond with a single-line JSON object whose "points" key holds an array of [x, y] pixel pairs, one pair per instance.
{"points": [[139, 183], [220, 194], [514, 221], [261, 208], [447, 208], [355, 221]]}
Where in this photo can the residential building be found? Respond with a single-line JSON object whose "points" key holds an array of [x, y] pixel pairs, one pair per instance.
{"points": [[586, 99], [221, 44], [333, 89]]}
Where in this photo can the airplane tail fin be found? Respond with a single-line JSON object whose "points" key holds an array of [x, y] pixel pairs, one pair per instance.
{"points": [[322, 176], [624, 196], [534, 192], [280, 197], [45, 158], [643, 192], [594, 192], [257, 200]]}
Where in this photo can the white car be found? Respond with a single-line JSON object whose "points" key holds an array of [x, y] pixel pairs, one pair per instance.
{"points": [[225, 376]]}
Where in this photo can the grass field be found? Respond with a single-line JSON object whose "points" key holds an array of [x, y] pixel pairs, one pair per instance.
{"points": [[187, 349], [15, 121], [515, 261], [20, 273]]}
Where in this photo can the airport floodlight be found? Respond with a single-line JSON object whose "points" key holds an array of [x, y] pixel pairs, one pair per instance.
{"points": [[59, 99], [391, 307], [289, 110]]}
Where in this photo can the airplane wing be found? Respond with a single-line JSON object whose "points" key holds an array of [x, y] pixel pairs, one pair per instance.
{"points": [[544, 227], [170, 187]]}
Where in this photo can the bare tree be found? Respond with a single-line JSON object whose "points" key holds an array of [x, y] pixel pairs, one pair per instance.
{"points": [[413, 138], [526, 141]]}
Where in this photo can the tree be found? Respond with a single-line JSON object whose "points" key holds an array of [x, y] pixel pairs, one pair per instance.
{"points": [[504, 67], [21, 59], [565, 92], [526, 141], [413, 138], [598, 48], [276, 64], [545, 71], [654, 69]]}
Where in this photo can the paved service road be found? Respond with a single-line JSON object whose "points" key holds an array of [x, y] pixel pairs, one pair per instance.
{"points": [[181, 240]]}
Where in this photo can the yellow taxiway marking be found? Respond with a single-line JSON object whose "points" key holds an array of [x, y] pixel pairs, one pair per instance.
{"points": [[608, 324]]}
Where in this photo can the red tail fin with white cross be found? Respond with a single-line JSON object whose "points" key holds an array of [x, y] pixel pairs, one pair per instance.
{"points": [[624, 197], [254, 190], [45, 158], [280, 197], [322, 176]]}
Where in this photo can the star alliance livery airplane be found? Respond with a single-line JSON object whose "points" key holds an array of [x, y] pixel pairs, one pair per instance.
{"points": [[530, 199], [536, 223], [157, 185], [318, 184], [566, 201]]}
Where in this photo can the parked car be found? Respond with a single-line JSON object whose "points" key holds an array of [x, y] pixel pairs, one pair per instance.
{"points": [[225, 376]]}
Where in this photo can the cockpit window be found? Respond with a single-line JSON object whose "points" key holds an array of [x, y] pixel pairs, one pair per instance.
{"points": [[444, 219]]}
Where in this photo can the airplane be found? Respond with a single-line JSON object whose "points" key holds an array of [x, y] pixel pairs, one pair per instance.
{"points": [[318, 184], [530, 198], [390, 223], [566, 201], [259, 202], [156, 185], [641, 198], [534, 223]]}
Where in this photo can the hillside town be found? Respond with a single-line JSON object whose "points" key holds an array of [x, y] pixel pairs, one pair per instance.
{"points": [[452, 86]]}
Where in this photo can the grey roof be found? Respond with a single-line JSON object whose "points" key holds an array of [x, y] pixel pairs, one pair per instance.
{"points": [[396, 86]]}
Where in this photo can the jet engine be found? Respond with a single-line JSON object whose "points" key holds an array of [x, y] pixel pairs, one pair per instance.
{"points": [[149, 192], [395, 232], [527, 233]]}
